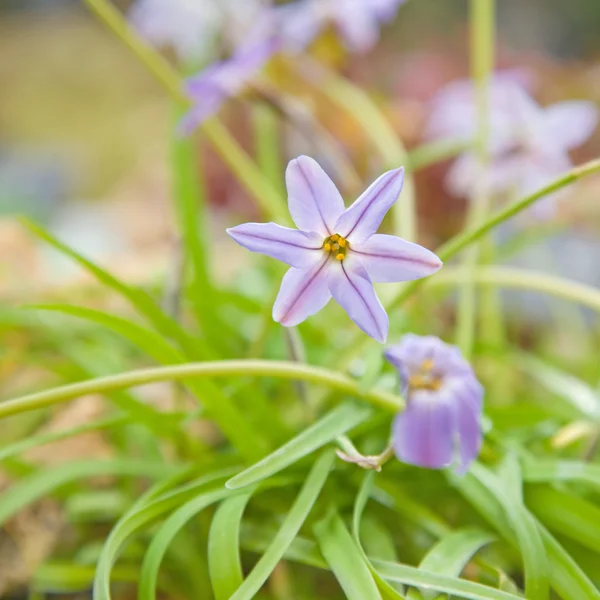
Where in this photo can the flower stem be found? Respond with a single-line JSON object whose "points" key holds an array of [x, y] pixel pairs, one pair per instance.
{"points": [[378, 128], [482, 57], [266, 195], [211, 369], [464, 239]]}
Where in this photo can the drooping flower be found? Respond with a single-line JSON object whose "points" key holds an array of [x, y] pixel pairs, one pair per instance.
{"points": [[441, 424], [210, 88], [336, 251], [528, 144], [357, 21], [194, 27]]}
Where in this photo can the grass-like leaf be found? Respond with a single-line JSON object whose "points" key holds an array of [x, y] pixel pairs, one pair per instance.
{"points": [[224, 562], [40, 484], [440, 583], [164, 536], [345, 559], [333, 424], [289, 528]]}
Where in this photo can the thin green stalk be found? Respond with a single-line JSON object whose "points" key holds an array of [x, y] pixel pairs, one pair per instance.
{"points": [[266, 143], [212, 369], [434, 152], [377, 127], [522, 279], [464, 239], [226, 146], [482, 58]]}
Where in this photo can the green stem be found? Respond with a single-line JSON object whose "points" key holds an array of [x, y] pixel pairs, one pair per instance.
{"points": [[266, 143], [523, 279], [464, 239], [266, 195], [213, 369], [434, 152], [377, 127], [482, 53]]}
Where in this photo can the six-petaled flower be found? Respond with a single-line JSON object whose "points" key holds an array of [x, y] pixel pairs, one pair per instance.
{"points": [[336, 251], [528, 144], [441, 424]]}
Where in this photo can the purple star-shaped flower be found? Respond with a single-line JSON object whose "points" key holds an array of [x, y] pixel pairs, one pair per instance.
{"points": [[210, 88], [443, 412], [529, 144], [357, 21], [335, 251]]}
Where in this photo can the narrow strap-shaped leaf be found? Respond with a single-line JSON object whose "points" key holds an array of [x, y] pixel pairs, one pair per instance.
{"points": [[453, 552], [333, 424], [345, 559], [441, 583], [568, 515], [43, 483], [529, 539], [54, 436], [566, 577], [164, 536], [224, 563], [554, 471], [386, 590], [289, 529], [148, 340], [149, 507], [142, 302]]}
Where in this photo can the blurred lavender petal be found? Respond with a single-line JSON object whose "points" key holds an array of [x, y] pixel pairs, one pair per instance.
{"points": [[442, 420]]}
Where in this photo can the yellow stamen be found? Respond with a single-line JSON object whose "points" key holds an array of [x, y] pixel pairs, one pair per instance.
{"points": [[342, 242], [339, 256], [327, 247], [427, 365], [334, 237]]}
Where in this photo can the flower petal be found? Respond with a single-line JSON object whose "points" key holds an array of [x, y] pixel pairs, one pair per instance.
{"points": [[303, 292], [388, 258], [314, 201], [359, 222], [352, 289], [296, 248], [299, 23], [202, 110], [357, 24], [570, 124], [423, 434], [467, 409]]}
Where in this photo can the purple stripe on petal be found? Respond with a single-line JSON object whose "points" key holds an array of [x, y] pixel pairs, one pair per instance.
{"points": [[424, 432], [296, 248], [359, 222], [314, 201], [388, 258], [303, 292], [352, 289]]}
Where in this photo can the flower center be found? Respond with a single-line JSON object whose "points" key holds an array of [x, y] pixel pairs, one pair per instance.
{"points": [[336, 246], [425, 378]]}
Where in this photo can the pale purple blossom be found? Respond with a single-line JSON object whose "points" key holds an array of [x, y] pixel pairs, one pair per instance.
{"points": [[528, 144], [441, 424], [336, 252], [195, 28], [356, 21], [222, 80]]}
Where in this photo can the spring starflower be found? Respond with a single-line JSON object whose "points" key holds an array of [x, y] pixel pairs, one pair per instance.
{"points": [[441, 424], [356, 21], [336, 252], [222, 80], [528, 144]]}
